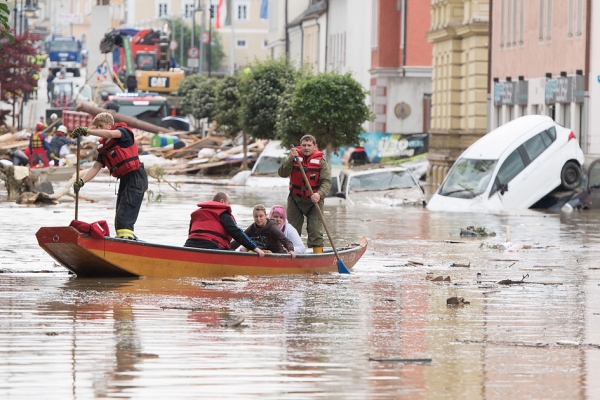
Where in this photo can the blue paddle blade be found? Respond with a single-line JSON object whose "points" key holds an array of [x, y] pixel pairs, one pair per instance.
{"points": [[341, 267]]}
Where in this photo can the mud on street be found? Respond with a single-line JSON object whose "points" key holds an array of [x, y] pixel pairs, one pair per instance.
{"points": [[385, 331]]}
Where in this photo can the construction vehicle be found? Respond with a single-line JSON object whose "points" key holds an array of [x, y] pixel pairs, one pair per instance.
{"points": [[145, 56]]}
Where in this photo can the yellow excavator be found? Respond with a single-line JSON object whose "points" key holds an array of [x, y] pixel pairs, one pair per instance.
{"points": [[145, 56]]}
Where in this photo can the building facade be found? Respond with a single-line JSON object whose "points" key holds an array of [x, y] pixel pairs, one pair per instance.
{"points": [[460, 34], [401, 66], [538, 64]]}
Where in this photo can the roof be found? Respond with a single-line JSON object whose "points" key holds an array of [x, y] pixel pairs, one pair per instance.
{"points": [[313, 11], [492, 145], [371, 168]]}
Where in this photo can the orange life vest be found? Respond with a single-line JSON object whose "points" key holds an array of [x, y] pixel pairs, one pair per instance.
{"points": [[206, 224], [312, 168], [119, 160]]}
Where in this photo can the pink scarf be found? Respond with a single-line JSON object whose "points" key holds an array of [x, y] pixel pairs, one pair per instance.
{"points": [[281, 211]]}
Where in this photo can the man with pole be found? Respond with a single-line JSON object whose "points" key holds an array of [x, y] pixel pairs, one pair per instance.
{"points": [[302, 202]]}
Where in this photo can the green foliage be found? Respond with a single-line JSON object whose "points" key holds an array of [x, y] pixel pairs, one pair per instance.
{"points": [[331, 107], [184, 93], [227, 105], [261, 89], [203, 99], [176, 26], [4, 31], [215, 53]]}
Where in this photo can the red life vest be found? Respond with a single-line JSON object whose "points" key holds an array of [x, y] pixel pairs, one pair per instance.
{"points": [[206, 224], [119, 160], [312, 168]]}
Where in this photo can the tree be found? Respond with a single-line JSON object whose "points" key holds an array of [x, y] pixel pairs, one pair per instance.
{"points": [[176, 26], [203, 99], [187, 85], [227, 110], [4, 27], [17, 67], [262, 86], [332, 108]]}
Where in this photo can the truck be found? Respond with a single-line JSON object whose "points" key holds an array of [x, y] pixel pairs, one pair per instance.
{"points": [[64, 51]]}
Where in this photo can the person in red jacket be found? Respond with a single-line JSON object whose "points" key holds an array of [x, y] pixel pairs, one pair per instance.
{"points": [[39, 149], [118, 152], [213, 227]]}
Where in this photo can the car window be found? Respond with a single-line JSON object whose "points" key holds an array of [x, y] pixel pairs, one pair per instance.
{"points": [[535, 146], [468, 178], [381, 180], [546, 138], [268, 165], [594, 176], [552, 133], [510, 168]]}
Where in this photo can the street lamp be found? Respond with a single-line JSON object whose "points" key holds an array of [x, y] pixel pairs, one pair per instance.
{"points": [[30, 9]]}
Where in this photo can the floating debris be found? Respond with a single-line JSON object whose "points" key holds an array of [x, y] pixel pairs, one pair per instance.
{"points": [[472, 231], [402, 360], [511, 282], [456, 265], [457, 301], [233, 324], [235, 278], [438, 278]]}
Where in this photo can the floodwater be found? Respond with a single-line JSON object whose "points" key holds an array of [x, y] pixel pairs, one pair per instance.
{"points": [[309, 336]]}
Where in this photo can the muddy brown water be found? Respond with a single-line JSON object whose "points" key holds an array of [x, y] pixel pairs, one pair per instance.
{"points": [[309, 336]]}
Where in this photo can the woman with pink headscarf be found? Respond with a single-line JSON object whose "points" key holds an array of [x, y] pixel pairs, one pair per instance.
{"points": [[279, 215]]}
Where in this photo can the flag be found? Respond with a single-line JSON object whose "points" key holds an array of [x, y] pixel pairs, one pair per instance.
{"points": [[223, 17], [264, 9]]}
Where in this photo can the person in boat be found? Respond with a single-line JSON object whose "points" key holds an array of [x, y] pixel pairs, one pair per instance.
{"points": [[39, 148], [213, 226], [117, 151], [278, 215], [266, 234], [300, 203], [60, 143]]}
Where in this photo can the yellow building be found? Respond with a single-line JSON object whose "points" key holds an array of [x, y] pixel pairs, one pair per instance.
{"points": [[459, 33]]}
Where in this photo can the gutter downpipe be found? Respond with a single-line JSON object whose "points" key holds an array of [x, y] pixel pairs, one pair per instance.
{"points": [[404, 32], [326, 33], [318, 42], [302, 43], [586, 78], [489, 68], [287, 35]]}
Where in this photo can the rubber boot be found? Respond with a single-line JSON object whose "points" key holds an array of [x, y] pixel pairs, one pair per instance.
{"points": [[317, 250]]}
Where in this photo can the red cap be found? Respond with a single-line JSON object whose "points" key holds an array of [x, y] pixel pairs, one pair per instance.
{"points": [[39, 126]]}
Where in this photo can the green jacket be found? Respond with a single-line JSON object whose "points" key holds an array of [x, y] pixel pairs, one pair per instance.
{"points": [[285, 169]]}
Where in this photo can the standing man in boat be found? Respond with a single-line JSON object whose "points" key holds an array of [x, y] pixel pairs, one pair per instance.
{"points": [[300, 203], [212, 227], [118, 152]]}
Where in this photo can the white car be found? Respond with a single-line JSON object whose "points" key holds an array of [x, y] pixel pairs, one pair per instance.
{"points": [[390, 185], [512, 167]]}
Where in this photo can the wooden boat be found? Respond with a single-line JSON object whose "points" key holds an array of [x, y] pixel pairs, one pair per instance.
{"points": [[112, 257]]}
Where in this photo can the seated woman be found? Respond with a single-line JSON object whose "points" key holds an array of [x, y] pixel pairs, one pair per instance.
{"points": [[279, 215], [266, 234]]}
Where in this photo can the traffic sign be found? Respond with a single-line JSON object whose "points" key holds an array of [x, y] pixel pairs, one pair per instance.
{"points": [[173, 45], [205, 37], [193, 63], [193, 52]]}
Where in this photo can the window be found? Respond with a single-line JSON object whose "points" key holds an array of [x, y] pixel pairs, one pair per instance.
{"points": [[547, 138], [535, 146], [512, 166], [213, 12], [162, 10], [189, 10], [241, 43], [242, 12]]}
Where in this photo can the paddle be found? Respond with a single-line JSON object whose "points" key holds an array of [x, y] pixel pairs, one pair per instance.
{"points": [[77, 178], [340, 264]]}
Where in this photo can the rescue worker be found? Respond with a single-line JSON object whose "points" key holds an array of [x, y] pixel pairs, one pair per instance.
{"points": [[39, 148], [300, 203], [358, 157], [117, 151], [54, 124], [58, 141], [36, 76], [50, 85], [213, 226]]}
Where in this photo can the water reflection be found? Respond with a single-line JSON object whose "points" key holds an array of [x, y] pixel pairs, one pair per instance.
{"points": [[311, 336]]}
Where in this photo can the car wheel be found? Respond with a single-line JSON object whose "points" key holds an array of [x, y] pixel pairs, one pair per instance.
{"points": [[571, 175]]}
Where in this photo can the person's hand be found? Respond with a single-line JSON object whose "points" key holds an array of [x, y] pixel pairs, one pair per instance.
{"points": [[52, 156], [78, 185], [315, 197], [79, 131], [260, 253], [293, 153], [293, 253]]}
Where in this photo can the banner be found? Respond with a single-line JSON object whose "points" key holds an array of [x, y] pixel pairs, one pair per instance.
{"points": [[264, 9], [387, 148], [223, 17]]}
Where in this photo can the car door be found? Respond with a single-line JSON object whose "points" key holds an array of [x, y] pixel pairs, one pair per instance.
{"points": [[543, 168], [511, 174]]}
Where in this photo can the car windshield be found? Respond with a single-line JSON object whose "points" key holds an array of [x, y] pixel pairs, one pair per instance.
{"points": [[64, 46], [381, 180], [60, 88], [468, 178], [268, 165], [144, 113]]}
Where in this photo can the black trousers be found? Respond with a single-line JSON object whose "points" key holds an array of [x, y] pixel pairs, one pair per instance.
{"points": [[129, 200]]}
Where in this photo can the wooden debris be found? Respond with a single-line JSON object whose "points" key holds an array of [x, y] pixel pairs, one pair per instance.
{"points": [[457, 301], [456, 265], [511, 282], [402, 360]]}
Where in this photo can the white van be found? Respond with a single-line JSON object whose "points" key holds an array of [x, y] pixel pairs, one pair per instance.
{"points": [[512, 167]]}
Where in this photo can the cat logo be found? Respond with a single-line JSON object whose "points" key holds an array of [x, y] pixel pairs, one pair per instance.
{"points": [[158, 82]]}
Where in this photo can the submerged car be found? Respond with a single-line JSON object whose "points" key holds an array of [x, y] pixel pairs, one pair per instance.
{"points": [[512, 167], [378, 184]]}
